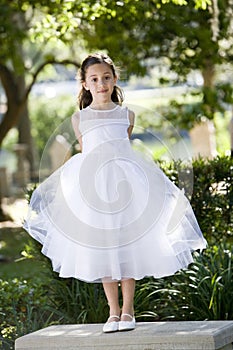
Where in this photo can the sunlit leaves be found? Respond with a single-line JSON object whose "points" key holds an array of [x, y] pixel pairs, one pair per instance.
{"points": [[65, 20], [177, 2], [203, 4]]}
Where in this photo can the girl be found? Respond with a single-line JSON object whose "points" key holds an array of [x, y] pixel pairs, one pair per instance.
{"points": [[109, 215]]}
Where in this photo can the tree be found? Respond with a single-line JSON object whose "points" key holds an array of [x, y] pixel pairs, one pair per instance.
{"points": [[32, 25], [21, 27], [25, 22], [31, 37], [191, 39]]}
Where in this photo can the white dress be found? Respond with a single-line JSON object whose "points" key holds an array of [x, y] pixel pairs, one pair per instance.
{"points": [[109, 213]]}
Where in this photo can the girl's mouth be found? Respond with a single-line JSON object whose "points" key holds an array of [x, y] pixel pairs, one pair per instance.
{"points": [[102, 91]]}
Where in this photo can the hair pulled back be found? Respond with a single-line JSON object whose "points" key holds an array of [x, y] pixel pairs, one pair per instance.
{"points": [[85, 97]]}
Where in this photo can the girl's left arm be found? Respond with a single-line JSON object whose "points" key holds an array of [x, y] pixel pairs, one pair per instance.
{"points": [[131, 119], [75, 119]]}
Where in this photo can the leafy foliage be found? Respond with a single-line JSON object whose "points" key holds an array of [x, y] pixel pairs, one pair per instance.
{"points": [[149, 33], [213, 198], [47, 116], [147, 29], [201, 292], [22, 309], [23, 57], [35, 34], [75, 301], [208, 102], [212, 195]]}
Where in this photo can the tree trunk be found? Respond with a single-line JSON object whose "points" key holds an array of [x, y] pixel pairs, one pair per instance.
{"points": [[208, 73], [24, 129], [14, 106], [24, 137], [17, 111], [209, 92]]}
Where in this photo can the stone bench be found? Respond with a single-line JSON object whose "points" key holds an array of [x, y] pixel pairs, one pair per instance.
{"points": [[197, 335]]}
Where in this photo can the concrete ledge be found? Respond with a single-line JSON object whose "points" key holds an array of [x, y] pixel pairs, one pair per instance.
{"points": [[203, 335]]}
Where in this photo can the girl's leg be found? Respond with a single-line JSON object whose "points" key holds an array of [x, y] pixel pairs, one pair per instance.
{"points": [[128, 290], [111, 292]]}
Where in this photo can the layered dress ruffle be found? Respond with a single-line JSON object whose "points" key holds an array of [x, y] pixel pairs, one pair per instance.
{"points": [[109, 213]]}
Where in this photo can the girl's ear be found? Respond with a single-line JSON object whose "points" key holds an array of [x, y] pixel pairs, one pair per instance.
{"points": [[85, 86]]}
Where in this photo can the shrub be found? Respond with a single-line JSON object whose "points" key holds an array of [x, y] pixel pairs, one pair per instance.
{"points": [[212, 197], [201, 292], [47, 116], [74, 301], [23, 309]]}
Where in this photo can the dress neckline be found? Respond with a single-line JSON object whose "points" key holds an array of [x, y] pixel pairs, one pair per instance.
{"points": [[103, 110]]}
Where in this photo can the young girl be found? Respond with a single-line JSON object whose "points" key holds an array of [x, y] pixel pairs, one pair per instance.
{"points": [[109, 215]]}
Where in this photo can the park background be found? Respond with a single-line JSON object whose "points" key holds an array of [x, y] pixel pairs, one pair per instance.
{"points": [[175, 60]]}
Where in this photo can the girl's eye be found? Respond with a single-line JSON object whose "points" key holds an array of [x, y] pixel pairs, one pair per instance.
{"points": [[94, 80], [107, 78]]}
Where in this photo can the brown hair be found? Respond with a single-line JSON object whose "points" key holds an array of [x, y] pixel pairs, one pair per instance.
{"points": [[85, 97]]}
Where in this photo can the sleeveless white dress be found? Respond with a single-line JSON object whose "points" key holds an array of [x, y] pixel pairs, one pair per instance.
{"points": [[110, 213]]}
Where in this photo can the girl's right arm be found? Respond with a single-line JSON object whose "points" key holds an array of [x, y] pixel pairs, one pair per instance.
{"points": [[75, 119]]}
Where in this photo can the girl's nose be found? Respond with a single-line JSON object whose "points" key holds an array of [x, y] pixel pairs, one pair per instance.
{"points": [[102, 82]]}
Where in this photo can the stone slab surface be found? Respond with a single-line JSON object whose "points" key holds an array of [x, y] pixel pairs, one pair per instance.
{"points": [[197, 335]]}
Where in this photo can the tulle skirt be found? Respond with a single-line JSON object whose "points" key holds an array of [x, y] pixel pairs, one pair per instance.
{"points": [[101, 217]]}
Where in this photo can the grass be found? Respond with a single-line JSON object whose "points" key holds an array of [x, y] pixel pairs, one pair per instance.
{"points": [[13, 242]]}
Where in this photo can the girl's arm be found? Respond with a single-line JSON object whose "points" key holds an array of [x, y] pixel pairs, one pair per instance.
{"points": [[75, 123], [131, 119]]}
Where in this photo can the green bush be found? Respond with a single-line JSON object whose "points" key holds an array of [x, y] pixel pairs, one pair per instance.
{"points": [[23, 309], [74, 301], [46, 116], [204, 291], [212, 194], [201, 292], [212, 198]]}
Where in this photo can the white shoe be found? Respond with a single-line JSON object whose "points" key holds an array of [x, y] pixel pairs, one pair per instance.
{"points": [[127, 325], [112, 326]]}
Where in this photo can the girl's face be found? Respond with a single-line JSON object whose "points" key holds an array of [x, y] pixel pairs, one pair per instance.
{"points": [[100, 81]]}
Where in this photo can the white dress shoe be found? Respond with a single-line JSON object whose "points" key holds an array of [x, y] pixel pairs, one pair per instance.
{"points": [[112, 326], [127, 325]]}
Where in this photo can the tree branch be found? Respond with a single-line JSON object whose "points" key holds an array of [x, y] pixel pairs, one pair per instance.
{"points": [[41, 67], [8, 83]]}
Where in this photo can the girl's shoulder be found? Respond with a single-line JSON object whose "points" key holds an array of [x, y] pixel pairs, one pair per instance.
{"points": [[75, 115]]}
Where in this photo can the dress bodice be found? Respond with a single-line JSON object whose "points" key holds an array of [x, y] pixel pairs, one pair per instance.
{"points": [[103, 126]]}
